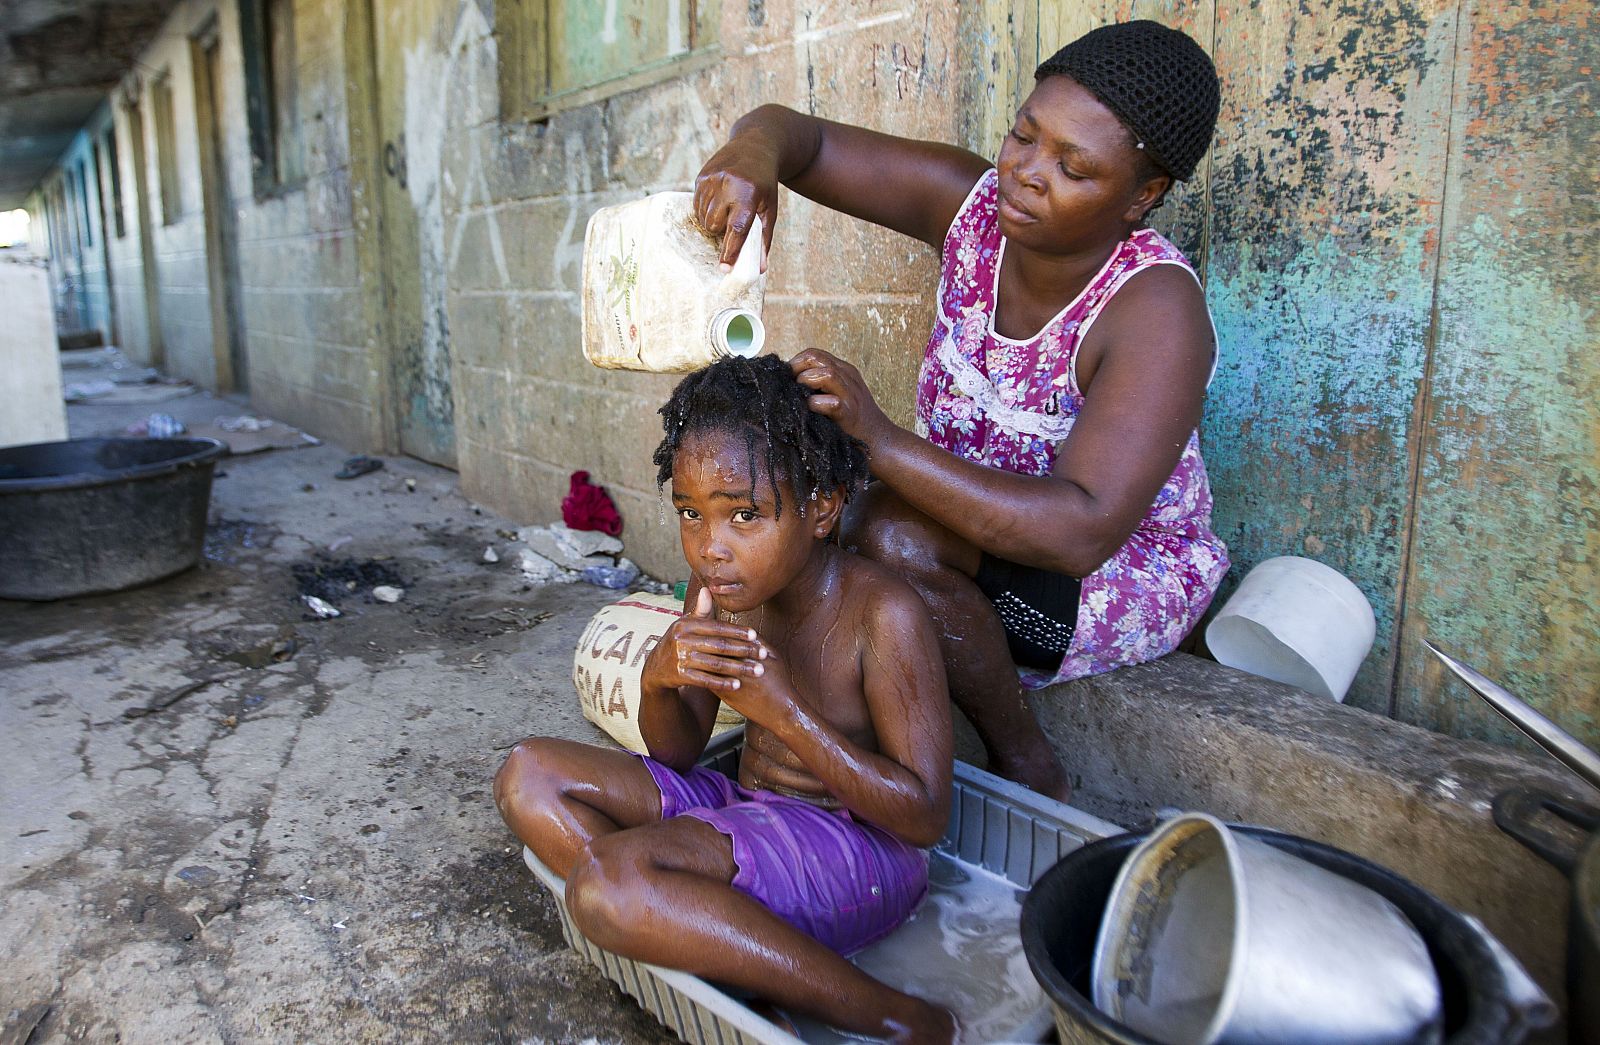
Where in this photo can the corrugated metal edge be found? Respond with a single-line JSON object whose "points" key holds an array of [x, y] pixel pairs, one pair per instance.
{"points": [[659, 991]]}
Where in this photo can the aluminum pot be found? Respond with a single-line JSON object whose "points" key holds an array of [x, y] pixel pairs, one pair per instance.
{"points": [[1488, 999], [1212, 936], [1516, 812]]}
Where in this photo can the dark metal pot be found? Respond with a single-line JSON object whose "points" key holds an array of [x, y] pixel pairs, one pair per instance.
{"points": [[1515, 812]]}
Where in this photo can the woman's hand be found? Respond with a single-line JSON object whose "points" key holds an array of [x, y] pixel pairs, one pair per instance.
{"points": [[737, 184], [699, 650], [842, 394]]}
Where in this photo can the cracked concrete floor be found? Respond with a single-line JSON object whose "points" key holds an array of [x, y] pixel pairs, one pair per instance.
{"points": [[300, 849]]}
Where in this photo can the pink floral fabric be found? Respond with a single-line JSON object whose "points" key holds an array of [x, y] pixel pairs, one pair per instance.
{"points": [[1010, 404]]}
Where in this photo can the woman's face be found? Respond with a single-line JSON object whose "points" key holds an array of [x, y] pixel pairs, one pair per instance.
{"points": [[1069, 172]]}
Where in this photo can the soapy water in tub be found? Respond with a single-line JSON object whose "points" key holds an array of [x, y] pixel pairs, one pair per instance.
{"points": [[962, 950]]}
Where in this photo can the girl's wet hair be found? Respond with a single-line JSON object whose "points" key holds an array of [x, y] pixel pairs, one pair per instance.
{"points": [[760, 400]]}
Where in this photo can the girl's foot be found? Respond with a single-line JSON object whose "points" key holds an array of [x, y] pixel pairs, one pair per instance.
{"points": [[926, 1025]]}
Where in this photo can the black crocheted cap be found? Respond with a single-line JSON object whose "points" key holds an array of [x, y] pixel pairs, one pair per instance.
{"points": [[1156, 80]]}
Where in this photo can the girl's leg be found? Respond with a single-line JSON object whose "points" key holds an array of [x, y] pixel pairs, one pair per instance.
{"points": [[557, 796], [662, 894], [983, 679]]}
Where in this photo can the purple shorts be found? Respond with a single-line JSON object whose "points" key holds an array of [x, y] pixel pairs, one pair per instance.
{"points": [[842, 882]]}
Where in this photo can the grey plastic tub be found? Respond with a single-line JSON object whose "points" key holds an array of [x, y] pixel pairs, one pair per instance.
{"points": [[999, 833], [96, 515]]}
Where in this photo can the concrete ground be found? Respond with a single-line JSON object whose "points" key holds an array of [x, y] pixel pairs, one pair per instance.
{"points": [[226, 821]]}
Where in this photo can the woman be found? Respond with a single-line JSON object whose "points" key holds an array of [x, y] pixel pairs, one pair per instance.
{"points": [[1052, 507]]}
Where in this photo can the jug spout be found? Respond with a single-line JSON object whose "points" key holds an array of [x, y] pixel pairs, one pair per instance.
{"points": [[737, 332]]}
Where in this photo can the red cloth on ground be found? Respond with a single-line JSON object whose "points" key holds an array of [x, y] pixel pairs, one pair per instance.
{"points": [[589, 507]]}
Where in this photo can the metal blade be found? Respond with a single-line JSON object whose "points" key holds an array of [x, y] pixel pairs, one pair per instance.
{"points": [[1565, 747]]}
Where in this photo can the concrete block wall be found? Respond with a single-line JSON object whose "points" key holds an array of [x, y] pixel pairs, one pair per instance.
{"points": [[300, 290], [178, 235], [529, 409], [298, 278]]}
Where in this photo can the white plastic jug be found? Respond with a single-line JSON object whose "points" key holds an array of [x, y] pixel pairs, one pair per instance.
{"points": [[654, 295]]}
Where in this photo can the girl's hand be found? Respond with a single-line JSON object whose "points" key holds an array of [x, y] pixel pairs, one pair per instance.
{"points": [[765, 696], [842, 394], [738, 183], [699, 650]]}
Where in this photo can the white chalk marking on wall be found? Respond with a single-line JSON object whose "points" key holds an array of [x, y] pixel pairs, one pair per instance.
{"points": [[825, 31], [608, 26], [477, 192], [430, 75]]}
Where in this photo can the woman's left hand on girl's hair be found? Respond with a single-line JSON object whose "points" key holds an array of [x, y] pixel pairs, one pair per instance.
{"points": [[841, 393]]}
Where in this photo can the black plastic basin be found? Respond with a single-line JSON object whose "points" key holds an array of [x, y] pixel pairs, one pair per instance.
{"points": [[98, 515]]}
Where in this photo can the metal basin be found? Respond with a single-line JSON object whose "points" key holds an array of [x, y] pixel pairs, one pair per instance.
{"points": [[1211, 936], [98, 515], [1487, 997]]}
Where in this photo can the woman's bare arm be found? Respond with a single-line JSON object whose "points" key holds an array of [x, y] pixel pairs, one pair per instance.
{"points": [[912, 187], [1145, 362]]}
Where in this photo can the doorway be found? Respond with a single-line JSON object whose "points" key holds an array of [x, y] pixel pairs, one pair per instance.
{"points": [[155, 352], [222, 258], [411, 64]]}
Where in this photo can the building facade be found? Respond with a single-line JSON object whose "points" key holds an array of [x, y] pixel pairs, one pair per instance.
{"points": [[369, 216]]}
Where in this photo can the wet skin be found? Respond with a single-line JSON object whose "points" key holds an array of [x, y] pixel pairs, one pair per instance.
{"points": [[835, 664], [1070, 191]]}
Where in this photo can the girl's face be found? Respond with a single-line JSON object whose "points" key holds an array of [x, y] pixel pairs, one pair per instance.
{"points": [[741, 550], [1068, 172]]}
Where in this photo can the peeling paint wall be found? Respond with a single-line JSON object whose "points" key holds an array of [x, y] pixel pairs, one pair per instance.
{"points": [[1325, 186], [1401, 267], [1505, 559]]}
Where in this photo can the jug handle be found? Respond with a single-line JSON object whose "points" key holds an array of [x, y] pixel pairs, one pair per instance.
{"points": [[747, 266]]}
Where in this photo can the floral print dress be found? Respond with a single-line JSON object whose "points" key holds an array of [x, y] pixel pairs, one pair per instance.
{"points": [[1010, 404]]}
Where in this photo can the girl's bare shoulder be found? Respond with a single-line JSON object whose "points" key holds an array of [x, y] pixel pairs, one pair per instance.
{"points": [[879, 597]]}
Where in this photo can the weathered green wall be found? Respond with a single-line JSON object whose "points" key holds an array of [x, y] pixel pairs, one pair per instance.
{"points": [[1505, 558], [1401, 270], [1397, 228]]}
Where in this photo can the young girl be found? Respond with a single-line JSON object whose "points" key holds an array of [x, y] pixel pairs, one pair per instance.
{"points": [[845, 776], [1052, 506]]}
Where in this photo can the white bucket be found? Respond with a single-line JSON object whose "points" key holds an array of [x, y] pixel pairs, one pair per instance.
{"points": [[655, 297], [609, 661], [1296, 621]]}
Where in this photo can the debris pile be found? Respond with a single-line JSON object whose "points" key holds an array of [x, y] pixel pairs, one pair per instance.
{"points": [[558, 554], [322, 583]]}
